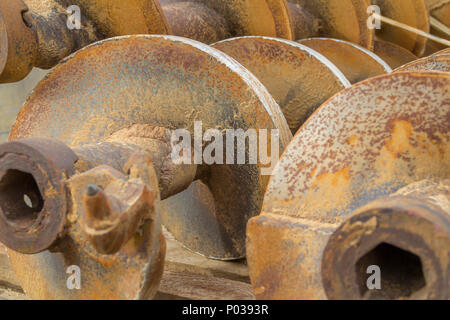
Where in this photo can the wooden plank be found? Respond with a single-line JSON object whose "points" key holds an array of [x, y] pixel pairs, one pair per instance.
{"points": [[186, 276], [185, 285], [179, 259], [12, 295], [9, 285]]}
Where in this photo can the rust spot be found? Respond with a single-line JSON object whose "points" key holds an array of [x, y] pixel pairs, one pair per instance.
{"points": [[335, 179], [352, 140], [400, 137]]}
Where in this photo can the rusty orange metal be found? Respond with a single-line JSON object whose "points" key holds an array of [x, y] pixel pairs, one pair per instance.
{"points": [[298, 78], [109, 101], [48, 227], [439, 62], [413, 13], [36, 169], [18, 42], [406, 235], [363, 144], [442, 52], [38, 35], [355, 62], [209, 21], [440, 10], [118, 18], [341, 19], [393, 54]]}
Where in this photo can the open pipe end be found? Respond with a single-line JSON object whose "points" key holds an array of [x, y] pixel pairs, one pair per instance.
{"points": [[394, 248], [32, 195]]}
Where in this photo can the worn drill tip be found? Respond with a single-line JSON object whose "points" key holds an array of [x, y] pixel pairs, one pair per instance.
{"points": [[92, 190], [96, 205]]}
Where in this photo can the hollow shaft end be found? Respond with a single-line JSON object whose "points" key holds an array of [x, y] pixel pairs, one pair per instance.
{"points": [[32, 193], [393, 248]]}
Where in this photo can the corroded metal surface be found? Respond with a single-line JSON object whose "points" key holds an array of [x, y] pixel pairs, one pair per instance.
{"points": [[341, 19], [213, 20], [170, 82], [196, 21], [440, 10], [18, 42], [111, 207], [117, 18], [42, 37], [392, 53], [442, 52], [298, 78], [436, 62], [413, 13], [48, 227], [355, 62], [407, 235], [55, 40], [38, 35], [366, 142], [36, 169]]}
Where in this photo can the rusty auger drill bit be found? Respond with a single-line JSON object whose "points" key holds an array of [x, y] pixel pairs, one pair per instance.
{"points": [[362, 145], [116, 111], [33, 205], [393, 54], [342, 19], [413, 13], [52, 204], [302, 75], [406, 236], [209, 21], [18, 42], [356, 63], [36, 33], [299, 78], [438, 62]]}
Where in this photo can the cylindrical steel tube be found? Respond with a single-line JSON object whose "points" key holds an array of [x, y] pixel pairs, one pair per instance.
{"points": [[33, 202]]}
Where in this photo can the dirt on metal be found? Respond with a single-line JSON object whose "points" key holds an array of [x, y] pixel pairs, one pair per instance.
{"points": [[38, 35], [363, 144], [125, 88], [341, 19], [439, 62], [406, 234], [114, 241], [440, 10], [298, 78]]}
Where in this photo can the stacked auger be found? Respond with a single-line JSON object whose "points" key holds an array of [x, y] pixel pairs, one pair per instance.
{"points": [[89, 176]]}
